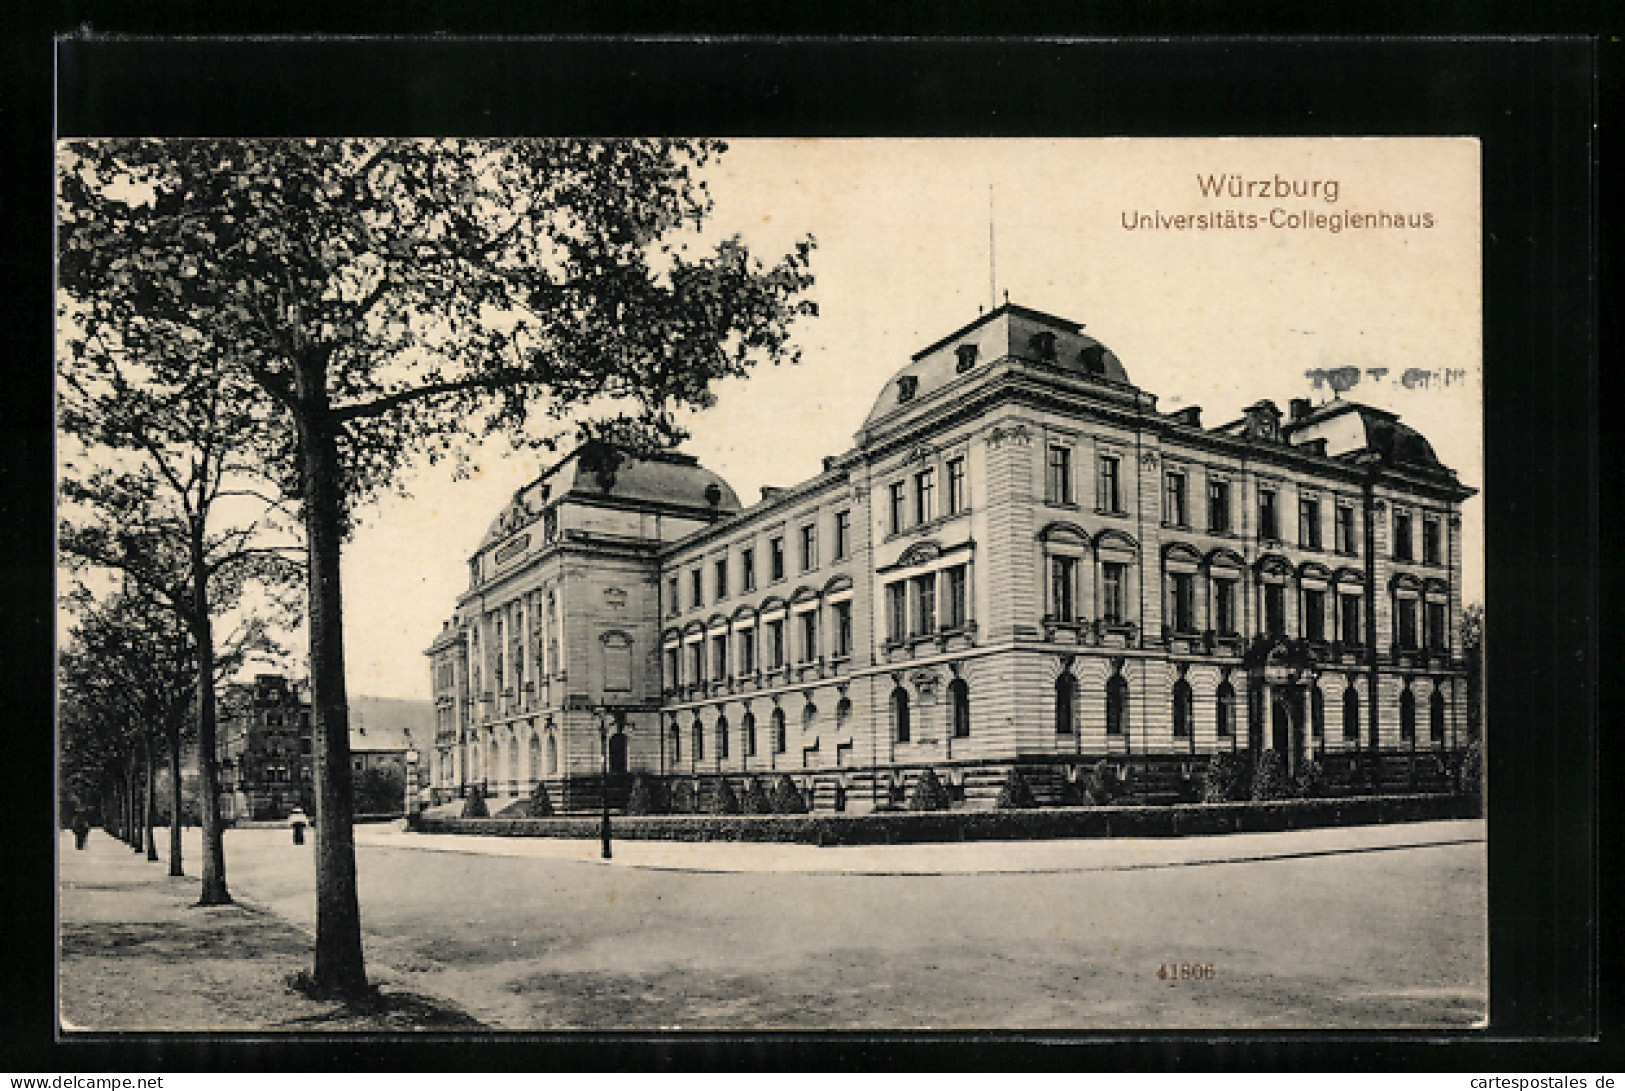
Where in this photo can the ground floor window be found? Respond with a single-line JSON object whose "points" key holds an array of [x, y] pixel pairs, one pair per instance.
{"points": [[1182, 709], [776, 724], [1407, 715], [1116, 704], [1351, 714], [1224, 719], [1066, 700], [959, 697], [899, 714], [1436, 717]]}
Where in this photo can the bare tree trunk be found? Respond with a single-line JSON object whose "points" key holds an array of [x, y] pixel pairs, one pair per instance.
{"points": [[177, 807], [147, 802], [133, 804], [214, 890], [340, 966]]}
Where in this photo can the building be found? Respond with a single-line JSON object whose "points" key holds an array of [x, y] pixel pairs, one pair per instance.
{"points": [[1020, 562], [264, 740]]}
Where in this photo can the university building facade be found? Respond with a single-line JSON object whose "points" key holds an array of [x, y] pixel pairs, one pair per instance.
{"points": [[1020, 562]]}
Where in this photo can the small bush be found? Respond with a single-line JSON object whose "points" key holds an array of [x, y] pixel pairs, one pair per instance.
{"points": [[928, 794], [1269, 777], [1072, 793], [1222, 780], [786, 798], [682, 797], [723, 800], [757, 801], [1311, 782], [1470, 769], [540, 804], [1015, 795], [1100, 788], [645, 798], [474, 806]]}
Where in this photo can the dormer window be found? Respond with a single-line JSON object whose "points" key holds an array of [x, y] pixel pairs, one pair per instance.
{"points": [[967, 357], [1093, 359], [907, 387], [1043, 345]]}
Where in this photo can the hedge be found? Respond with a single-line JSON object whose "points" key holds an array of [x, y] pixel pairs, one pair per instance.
{"points": [[907, 827]]}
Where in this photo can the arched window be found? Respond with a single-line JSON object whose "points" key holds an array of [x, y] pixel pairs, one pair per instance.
{"points": [[899, 714], [747, 728], [1116, 704], [1183, 703], [776, 724], [1436, 717], [552, 755], [1317, 712], [959, 699], [1066, 703], [809, 719], [699, 740], [1351, 714], [1224, 716], [722, 737], [676, 743], [533, 759], [1407, 715]]}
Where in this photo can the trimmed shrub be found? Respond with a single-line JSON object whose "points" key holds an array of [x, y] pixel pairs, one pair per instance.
{"points": [[1470, 769], [540, 804], [681, 799], [1015, 795], [723, 800], [1269, 777], [1072, 793], [644, 798], [474, 806], [928, 794], [757, 801], [1100, 787], [786, 798], [1311, 782], [1223, 778]]}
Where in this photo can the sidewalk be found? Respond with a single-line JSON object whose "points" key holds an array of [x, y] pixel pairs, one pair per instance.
{"points": [[957, 858], [137, 954]]}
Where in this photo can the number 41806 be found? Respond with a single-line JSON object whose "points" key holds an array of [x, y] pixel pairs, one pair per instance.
{"points": [[1185, 971]]}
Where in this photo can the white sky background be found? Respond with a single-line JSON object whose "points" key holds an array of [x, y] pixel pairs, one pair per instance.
{"points": [[1215, 318]]}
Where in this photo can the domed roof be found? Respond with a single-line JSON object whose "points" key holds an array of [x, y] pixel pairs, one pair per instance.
{"points": [[1352, 430], [1010, 331], [596, 471]]}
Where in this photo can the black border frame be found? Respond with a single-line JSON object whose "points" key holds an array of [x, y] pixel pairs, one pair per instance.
{"points": [[1532, 101]]}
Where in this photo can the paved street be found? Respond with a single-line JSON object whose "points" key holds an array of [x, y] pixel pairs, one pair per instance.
{"points": [[1314, 930]]}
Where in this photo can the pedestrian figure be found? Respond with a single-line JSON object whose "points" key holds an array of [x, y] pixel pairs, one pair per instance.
{"points": [[297, 821], [81, 829]]}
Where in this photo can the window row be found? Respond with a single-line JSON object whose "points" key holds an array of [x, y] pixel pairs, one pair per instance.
{"points": [[928, 604], [913, 500], [744, 561], [770, 644], [900, 709]]}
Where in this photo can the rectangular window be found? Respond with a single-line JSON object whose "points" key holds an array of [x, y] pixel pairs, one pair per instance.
{"points": [[747, 569], [1402, 536], [925, 497], [1184, 602], [925, 604], [954, 605], [1314, 615], [809, 547], [1218, 507], [719, 657], [1063, 580], [747, 651], [1345, 530], [955, 499], [897, 612], [696, 663], [1348, 620], [843, 535], [1275, 609], [809, 636], [1431, 553], [775, 558], [1435, 612], [722, 578], [1405, 623], [842, 613], [1111, 494], [1269, 526], [1308, 523], [671, 667], [674, 603], [896, 507], [1058, 489], [696, 588], [775, 644], [1224, 607], [1175, 511], [1113, 576]]}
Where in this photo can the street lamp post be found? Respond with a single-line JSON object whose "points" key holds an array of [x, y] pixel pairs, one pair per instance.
{"points": [[603, 748]]}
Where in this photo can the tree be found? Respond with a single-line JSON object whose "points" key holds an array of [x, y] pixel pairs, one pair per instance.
{"points": [[161, 485], [390, 297], [1472, 654]]}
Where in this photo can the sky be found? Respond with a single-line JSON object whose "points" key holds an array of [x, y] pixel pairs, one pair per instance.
{"points": [[1217, 317]]}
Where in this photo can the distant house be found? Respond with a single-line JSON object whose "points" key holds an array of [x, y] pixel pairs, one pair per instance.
{"points": [[388, 735]]}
